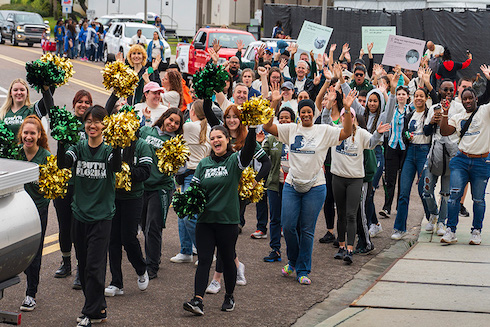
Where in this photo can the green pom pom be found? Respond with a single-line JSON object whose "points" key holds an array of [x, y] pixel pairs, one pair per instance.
{"points": [[191, 202], [8, 147], [41, 74], [209, 79], [64, 125]]}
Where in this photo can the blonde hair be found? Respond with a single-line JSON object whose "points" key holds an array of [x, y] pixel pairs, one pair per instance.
{"points": [[9, 102], [137, 48], [198, 107]]}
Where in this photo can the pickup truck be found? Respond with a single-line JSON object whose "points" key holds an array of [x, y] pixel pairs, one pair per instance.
{"points": [[22, 26], [192, 56]]}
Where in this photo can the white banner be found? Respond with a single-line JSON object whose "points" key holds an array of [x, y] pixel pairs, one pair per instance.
{"points": [[403, 51], [378, 35], [314, 37]]}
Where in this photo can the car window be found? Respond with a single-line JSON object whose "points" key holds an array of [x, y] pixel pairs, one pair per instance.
{"points": [[29, 19], [118, 29], [228, 40], [202, 38], [1, 16], [146, 31], [104, 21]]}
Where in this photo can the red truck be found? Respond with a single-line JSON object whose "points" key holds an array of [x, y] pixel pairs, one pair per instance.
{"points": [[192, 56]]}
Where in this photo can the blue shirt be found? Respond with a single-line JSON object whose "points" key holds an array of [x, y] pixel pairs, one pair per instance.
{"points": [[59, 33], [253, 93], [397, 128]]}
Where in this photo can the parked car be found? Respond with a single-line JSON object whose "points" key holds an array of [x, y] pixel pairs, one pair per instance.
{"points": [[119, 37], [107, 20], [251, 50], [22, 26], [191, 57]]}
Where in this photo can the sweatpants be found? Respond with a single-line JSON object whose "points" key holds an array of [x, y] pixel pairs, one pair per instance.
{"points": [[65, 219], [209, 236], [124, 232], [364, 241], [347, 194], [393, 166], [329, 206], [91, 245], [32, 272]]}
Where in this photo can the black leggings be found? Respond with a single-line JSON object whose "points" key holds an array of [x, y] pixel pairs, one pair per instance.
{"points": [[347, 193], [65, 219], [329, 206], [209, 236], [393, 166]]}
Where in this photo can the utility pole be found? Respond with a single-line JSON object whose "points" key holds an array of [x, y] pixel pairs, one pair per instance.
{"points": [[146, 11], [324, 12]]}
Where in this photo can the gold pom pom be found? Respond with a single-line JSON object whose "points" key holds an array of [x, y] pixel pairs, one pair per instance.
{"points": [[120, 129], [121, 78], [248, 188], [256, 111], [53, 182], [62, 63], [123, 178], [173, 155]]}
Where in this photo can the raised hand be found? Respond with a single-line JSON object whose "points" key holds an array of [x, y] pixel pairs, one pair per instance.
{"points": [[378, 70], [262, 71], [345, 48], [347, 56], [485, 70], [383, 128], [327, 73], [316, 79], [293, 48], [349, 99], [120, 57], [331, 95], [333, 47], [147, 113], [337, 70], [155, 63], [216, 45], [370, 47], [283, 64], [146, 76], [276, 91], [214, 55], [361, 53], [239, 45], [261, 51], [319, 60]]}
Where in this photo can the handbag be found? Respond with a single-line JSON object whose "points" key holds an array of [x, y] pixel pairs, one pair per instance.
{"points": [[441, 152], [301, 185]]}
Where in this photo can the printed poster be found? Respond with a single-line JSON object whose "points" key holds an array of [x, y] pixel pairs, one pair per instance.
{"points": [[314, 37], [378, 35], [403, 51]]}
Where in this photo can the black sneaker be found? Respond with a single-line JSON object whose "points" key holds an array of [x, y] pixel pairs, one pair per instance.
{"points": [[364, 250], [195, 306], [348, 257], [273, 256], [65, 269], [385, 214], [77, 284], [339, 255], [327, 238], [152, 274], [228, 303], [336, 243], [463, 212]]}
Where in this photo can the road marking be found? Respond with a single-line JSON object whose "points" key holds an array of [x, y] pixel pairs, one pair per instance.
{"points": [[50, 249], [72, 80], [50, 238], [4, 90], [78, 62]]}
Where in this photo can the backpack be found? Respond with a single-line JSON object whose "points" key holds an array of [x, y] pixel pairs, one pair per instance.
{"points": [[441, 152]]}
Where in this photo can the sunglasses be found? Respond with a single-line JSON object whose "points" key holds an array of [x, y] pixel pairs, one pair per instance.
{"points": [[359, 75]]}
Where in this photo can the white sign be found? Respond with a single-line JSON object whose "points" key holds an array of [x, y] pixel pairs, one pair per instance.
{"points": [[183, 59], [67, 3], [90, 14], [67, 9], [378, 35], [314, 37], [403, 51]]}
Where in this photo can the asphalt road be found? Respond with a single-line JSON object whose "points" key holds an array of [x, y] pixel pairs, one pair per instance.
{"points": [[267, 300]]}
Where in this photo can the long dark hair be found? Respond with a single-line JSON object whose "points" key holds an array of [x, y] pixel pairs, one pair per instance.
{"points": [[168, 113], [378, 112], [225, 131]]}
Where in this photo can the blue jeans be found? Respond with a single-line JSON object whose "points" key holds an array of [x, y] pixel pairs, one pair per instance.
{"points": [[275, 201], [82, 50], [429, 183], [262, 214], [414, 163], [301, 209], [464, 170], [187, 227]]}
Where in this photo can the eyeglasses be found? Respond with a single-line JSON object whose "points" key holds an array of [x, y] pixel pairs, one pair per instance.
{"points": [[94, 122], [359, 75]]}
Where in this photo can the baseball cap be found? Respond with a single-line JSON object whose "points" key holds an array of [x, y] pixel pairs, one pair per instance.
{"points": [[269, 49], [287, 85], [359, 62], [152, 86]]}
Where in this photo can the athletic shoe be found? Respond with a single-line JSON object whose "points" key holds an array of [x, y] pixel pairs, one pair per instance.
{"points": [[441, 229], [112, 290], [287, 270], [240, 275], [384, 214], [364, 250], [194, 249], [449, 237], [273, 256], [339, 255], [431, 224], [94, 320], [348, 257], [214, 287], [29, 304], [143, 281], [475, 237], [327, 238], [463, 212], [258, 234], [336, 243], [195, 306], [152, 274], [181, 258], [397, 235], [85, 322], [304, 280], [375, 229], [228, 303], [77, 284]]}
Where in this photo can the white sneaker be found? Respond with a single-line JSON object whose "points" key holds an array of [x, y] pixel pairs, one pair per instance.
{"points": [[375, 229], [475, 237], [240, 275], [143, 281], [214, 287], [449, 237], [430, 225], [29, 304], [181, 258], [194, 249], [112, 290], [397, 235], [441, 229]]}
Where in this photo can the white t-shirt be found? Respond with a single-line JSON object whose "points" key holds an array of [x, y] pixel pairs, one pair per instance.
{"points": [[300, 85], [438, 50], [155, 112], [348, 157], [138, 40], [455, 108], [308, 148], [155, 51], [198, 151], [416, 128], [476, 140]]}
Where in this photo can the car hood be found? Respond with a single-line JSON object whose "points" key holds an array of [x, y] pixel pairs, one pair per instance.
{"points": [[227, 52]]}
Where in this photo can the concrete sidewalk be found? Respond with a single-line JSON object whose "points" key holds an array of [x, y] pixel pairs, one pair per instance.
{"points": [[430, 284]]}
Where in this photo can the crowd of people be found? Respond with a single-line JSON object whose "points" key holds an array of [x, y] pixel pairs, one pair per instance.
{"points": [[342, 131]]}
